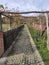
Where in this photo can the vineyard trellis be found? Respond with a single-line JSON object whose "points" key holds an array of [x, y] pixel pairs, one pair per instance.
{"points": [[46, 15]]}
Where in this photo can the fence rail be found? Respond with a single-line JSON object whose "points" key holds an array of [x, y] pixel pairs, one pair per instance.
{"points": [[25, 12]]}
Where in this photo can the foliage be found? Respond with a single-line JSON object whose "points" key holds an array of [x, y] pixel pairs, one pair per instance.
{"points": [[1, 7], [40, 44]]}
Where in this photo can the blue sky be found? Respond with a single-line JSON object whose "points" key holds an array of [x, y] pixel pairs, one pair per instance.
{"points": [[26, 5]]}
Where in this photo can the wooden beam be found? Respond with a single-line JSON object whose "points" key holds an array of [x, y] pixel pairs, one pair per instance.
{"points": [[46, 15], [25, 12]]}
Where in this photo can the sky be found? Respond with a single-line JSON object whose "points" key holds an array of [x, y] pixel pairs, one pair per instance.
{"points": [[26, 5]]}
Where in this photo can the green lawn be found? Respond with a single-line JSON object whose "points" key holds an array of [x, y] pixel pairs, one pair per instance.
{"points": [[40, 44]]}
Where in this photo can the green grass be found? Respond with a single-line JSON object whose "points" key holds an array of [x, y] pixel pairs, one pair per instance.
{"points": [[40, 44], [5, 27]]}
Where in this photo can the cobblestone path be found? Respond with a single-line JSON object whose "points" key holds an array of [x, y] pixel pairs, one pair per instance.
{"points": [[22, 52]]}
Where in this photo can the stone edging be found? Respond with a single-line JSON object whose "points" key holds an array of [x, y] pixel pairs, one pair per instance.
{"points": [[34, 48]]}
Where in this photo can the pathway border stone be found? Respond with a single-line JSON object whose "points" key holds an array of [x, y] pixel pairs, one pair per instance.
{"points": [[36, 53]]}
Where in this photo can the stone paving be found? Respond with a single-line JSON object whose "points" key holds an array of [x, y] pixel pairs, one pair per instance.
{"points": [[22, 45], [22, 52]]}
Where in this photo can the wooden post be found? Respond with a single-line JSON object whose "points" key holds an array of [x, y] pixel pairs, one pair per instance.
{"points": [[1, 38], [47, 24], [0, 22], [9, 25], [10, 22], [11, 19]]}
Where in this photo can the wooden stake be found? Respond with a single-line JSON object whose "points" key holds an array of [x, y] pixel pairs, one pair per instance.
{"points": [[46, 15]]}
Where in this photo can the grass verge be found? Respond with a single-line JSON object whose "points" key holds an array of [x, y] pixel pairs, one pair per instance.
{"points": [[40, 44], [5, 27]]}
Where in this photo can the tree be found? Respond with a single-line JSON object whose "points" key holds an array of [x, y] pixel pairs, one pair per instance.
{"points": [[1, 7]]}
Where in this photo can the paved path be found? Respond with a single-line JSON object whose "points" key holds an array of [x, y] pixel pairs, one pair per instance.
{"points": [[23, 53], [23, 44]]}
